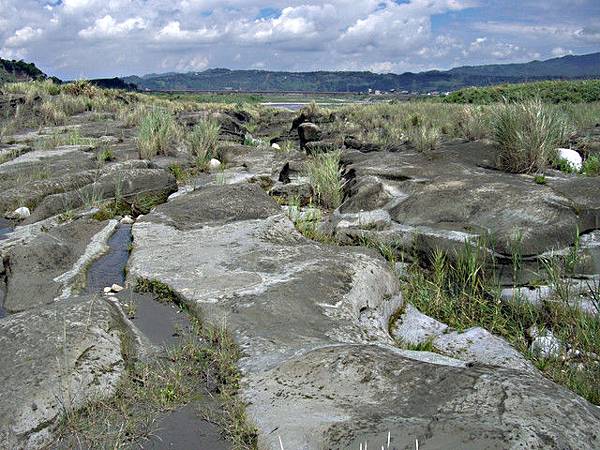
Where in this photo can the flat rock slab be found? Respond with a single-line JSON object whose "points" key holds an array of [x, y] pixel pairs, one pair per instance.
{"points": [[319, 368], [458, 190], [55, 359], [33, 267], [342, 396]]}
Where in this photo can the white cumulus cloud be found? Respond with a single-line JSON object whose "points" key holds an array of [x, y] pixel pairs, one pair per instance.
{"points": [[109, 27]]}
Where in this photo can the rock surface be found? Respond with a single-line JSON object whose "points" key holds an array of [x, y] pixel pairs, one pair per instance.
{"points": [[459, 195], [55, 359], [57, 257], [319, 368]]}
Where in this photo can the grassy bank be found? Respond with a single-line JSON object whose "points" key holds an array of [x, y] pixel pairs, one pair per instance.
{"points": [[585, 91]]}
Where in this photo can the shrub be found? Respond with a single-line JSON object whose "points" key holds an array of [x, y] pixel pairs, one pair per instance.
{"points": [[591, 166], [324, 175], [540, 179], [473, 123], [528, 134], [51, 114], [202, 140], [106, 155], [425, 138], [81, 88], [565, 166], [157, 131]]}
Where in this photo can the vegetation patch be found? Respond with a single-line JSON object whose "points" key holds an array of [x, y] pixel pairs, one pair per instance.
{"points": [[324, 175], [202, 141], [586, 91], [204, 357], [528, 134], [591, 166], [462, 291], [156, 133]]}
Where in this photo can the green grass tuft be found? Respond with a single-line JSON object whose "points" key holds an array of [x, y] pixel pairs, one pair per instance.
{"points": [[324, 175], [156, 133], [528, 134]]}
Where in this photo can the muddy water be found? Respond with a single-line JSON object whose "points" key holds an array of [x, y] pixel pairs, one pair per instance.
{"points": [[5, 228], [110, 268], [183, 428]]}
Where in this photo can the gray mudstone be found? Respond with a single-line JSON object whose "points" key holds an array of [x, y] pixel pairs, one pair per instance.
{"points": [[475, 345], [414, 327], [129, 183], [49, 255], [460, 194], [308, 132], [319, 367], [55, 359]]}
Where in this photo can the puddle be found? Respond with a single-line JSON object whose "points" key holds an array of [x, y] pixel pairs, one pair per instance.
{"points": [[184, 429], [5, 227], [110, 268], [161, 323]]}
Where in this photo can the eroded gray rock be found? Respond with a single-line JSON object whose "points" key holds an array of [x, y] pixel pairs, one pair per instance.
{"points": [[46, 264], [55, 359], [319, 368]]}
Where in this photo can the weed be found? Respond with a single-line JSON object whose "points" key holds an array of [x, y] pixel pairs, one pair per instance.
{"points": [[473, 123], [540, 179], [202, 140], [528, 134], [105, 155], [591, 166], [425, 138], [324, 175], [156, 133], [565, 166], [181, 175], [162, 291], [464, 294], [388, 250], [204, 356]]}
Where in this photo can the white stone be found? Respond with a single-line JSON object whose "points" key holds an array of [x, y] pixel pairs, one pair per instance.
{"points": [[127, 220], [20, 213], [545, 344], [276, 146], [572, 157], [214, 164], [116, 288], [107, 289]]}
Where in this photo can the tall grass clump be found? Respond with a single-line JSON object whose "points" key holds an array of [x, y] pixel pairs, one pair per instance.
{"points": [[473, 123], [425, 138], [324, 175], [528, 134], [202, 140], [156, 132]]}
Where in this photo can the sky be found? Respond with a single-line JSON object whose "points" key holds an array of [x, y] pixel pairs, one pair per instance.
{"points": [[105, 38]]}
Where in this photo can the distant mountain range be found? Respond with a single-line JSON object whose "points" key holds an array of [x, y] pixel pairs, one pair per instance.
{"points": [[566, 67]]}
